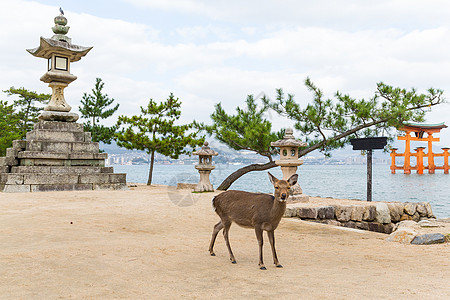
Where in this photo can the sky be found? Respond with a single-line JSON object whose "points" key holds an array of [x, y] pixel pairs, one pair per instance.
{"points": [[207, 52]]}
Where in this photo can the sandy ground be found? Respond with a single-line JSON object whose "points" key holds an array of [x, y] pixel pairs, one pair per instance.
{"points": [[152, 243]]}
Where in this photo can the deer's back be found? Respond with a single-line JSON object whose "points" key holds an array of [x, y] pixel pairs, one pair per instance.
{"points": [[244, 208]]}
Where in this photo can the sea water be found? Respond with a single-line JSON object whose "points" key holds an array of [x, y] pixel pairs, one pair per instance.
{"points": [[336, 181]]}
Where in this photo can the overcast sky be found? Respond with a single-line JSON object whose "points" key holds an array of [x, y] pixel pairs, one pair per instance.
{"points": [[220, 51]]}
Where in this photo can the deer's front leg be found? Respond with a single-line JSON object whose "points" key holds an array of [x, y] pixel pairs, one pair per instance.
{"points": [[259, 236], [271, 236]]}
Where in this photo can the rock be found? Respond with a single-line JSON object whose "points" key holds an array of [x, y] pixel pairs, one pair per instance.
{"points": [[307, 212], [416, 217], [343, 212], [429, 210], [421, 209], [410, 208], [408, 225], [388, 228], [369, 213], [404, 236], [325, 212], [357, 213], [383, 215], [429, 223], [377, 227], [350, 224], [290, 212], [405, 217], [362, 225], [396, 211], [428, 239], [331, 222]]}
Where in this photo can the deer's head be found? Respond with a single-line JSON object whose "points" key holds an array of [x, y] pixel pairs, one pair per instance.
{"points": [[282, 186]]}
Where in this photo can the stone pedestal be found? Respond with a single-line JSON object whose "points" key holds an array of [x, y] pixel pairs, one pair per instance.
{"points": [[57, 156], [204, 185]]}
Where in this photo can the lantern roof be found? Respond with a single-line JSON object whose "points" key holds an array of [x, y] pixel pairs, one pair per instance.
{"points": [[288, 140], [205, 150], [59, 43]]}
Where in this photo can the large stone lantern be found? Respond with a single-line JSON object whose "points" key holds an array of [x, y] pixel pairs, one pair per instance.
{"points": [[204, 167], [289, 162], [59, 52]]}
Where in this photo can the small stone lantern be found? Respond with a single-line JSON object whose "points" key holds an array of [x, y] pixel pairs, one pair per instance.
{"points": [[59, 52], [204, 167], [289, 162]]}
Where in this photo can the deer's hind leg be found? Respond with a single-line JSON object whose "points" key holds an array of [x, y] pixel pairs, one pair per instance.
{"points": [[226, 229], [216, 230]]}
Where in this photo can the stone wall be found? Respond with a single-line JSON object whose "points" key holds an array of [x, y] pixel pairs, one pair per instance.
{"points": [[373, 216]]}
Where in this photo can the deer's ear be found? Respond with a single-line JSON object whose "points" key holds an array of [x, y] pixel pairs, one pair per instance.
{"points": [[272, 178], [293, 179]]}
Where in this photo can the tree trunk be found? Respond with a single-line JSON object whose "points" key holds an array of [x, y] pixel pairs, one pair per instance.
{"points": [[150, 172], [225, 185]]}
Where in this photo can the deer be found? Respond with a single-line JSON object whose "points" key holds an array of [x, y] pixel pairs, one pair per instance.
{"points": [[262, 212]]}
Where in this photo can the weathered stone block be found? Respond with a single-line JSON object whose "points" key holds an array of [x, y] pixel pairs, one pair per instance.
{"points": [[50, 178], [8, 161], [288, 213], [60, 187], [11, 152], [81, 155], [325, 212], [15, 179], [85, 147], [388, 228], [357, 213], [43, 155], [421, 210], [331, 222], [85, 162], [61, 147], [41, 162], [106, 170], [19, 145], [307, 212], [56, 136], [343, 212], [34, 145], [410, 208], [118, 178], [22, 188], [94, 178], [30, 169], [100, 155], [383, 215], [111, 186], [350, 224], [428, 239], [59, 126], [88, 137], [4, 169]]}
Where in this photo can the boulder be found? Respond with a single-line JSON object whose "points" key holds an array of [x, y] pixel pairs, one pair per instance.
{"points": [[396, 211], [410, 208], [404, 236], [369, 213], [383, 215], [428, 239], [421, 209], [307, 212], [343, 213], [357, 213], [429, 224], [290, 212], [429, 210], [325, 212]]}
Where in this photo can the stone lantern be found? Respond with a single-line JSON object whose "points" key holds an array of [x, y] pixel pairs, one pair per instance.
{"points": [[204, 167], [289, 162], [59, 52]]}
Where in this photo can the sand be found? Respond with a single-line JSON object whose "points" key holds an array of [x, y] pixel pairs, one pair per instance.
{"points": [[152, 243]]}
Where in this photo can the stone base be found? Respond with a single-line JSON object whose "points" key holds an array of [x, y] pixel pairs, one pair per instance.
{"points": [[58, 116], [298, 198], [57, 156]]}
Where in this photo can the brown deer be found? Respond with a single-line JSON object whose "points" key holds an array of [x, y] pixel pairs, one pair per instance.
{"points": [[252, 210]]}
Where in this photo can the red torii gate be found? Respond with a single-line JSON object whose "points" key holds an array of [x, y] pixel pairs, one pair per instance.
{"points": [[419, 130]]}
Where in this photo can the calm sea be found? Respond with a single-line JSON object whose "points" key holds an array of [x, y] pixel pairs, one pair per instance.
{"points": [[337, 181]]}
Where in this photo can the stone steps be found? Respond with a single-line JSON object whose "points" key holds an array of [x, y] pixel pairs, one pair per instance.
{"points": [[57, 156]]}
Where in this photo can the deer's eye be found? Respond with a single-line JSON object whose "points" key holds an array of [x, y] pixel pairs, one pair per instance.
{"points": [[277, 188]]}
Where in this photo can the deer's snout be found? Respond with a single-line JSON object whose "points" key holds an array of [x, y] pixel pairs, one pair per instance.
{"points": [[283, 196]]}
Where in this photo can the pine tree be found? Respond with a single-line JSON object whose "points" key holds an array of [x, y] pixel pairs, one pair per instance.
{"points": [[94, 108], [154, 131], [26, 108], [9, 126]]}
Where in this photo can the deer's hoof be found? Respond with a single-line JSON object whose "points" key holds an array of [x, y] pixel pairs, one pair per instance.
{"points": [[279, 266], [263, 268], [213, 254], [233, 262]]}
